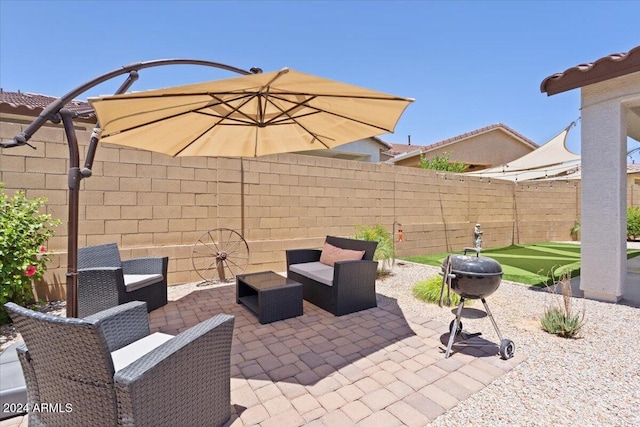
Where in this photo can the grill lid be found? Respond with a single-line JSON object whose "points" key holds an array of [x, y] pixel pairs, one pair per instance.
{"points": [[474, 265]]}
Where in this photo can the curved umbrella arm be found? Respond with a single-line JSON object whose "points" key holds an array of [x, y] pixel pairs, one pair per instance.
{"points": [[51, 111], [56, 112]]}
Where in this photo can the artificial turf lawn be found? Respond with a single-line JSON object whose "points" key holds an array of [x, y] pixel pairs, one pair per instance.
{"points": [[538, 264]]}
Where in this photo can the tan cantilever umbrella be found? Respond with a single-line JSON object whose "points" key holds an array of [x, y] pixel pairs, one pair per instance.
{"points": [[248, 116]]}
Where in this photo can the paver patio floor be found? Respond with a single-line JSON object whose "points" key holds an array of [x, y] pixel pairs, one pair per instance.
{"points": [[379, 367], [375, 367]]}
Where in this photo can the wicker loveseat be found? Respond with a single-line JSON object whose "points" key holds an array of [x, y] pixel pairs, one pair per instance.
{"points": [[107, 370], [105, 281], [347, 286]]}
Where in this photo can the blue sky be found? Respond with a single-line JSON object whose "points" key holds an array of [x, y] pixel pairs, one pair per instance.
{"points": [[467, 64]]}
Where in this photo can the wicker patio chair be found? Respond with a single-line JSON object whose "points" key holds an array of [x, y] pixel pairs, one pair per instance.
{"points": [[344, 288], [106, 370], [104, 281]]}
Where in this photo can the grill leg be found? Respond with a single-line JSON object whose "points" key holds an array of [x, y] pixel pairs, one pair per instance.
{"points": [[495, 325], [454, 328]]}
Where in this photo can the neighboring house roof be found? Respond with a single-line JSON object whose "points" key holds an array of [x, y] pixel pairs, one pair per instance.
{"points": [[403, 148], [415, 150], [605, 68], [32, 104], [633, 168], [385, 145], [485, 129]]}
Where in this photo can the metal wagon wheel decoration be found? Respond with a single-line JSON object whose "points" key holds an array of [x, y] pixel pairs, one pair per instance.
{"points": [[219, 255]]}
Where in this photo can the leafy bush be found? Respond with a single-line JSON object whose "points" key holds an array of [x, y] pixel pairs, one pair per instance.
{"points": [[633, 222], [24, 232], [441, 163], [575, 230], [385, 251], [429, 291], [560, 319]]}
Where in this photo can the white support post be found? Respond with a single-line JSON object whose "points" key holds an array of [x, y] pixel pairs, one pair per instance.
{"points": [[604, 200]]}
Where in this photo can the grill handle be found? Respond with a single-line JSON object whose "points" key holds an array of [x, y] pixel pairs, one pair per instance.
{"points": [[476, 250], [450, 275]]}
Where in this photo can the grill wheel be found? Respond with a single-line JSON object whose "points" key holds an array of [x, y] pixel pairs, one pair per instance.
{"points": [[458, 330], [507, 349]]}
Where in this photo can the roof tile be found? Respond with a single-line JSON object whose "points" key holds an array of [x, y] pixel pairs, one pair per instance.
{"points": [[34, 101], [607, 67]]}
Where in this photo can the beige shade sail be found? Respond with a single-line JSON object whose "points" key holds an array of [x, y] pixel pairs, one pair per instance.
{"points": [[248, 116], [553, 158]]}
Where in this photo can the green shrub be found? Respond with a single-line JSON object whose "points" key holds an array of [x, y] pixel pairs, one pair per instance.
{"points": [[441, 163], [429, 291], [633, 222], [385, 251], [24, 232], [560, 319]]}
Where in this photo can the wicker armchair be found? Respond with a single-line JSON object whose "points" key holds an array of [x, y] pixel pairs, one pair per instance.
{"points": [[106, 370], [104, 281], [347, 287]]}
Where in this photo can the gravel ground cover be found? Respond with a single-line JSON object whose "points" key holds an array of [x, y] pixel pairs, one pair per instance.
{"points": [[590, 381], [593, 380]]}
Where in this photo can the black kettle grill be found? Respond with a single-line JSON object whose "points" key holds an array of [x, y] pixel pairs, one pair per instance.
{"points": [[472, 277]]}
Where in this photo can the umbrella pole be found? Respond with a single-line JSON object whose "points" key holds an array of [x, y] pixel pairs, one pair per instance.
{"points": [[74, 178], [72, 222]]}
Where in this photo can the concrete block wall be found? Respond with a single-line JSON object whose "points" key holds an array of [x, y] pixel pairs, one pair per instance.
{"points": [[152, 204]]}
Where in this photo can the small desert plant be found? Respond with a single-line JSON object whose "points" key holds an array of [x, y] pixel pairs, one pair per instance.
{"points": [[429, 291], [560, 318], [385, 251]]}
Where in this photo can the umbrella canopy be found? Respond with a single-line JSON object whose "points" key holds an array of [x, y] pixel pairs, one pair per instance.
{"points": [[248, 116]]}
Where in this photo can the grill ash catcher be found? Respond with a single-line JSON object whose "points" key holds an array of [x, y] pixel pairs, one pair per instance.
{"points": [[472, 277]]}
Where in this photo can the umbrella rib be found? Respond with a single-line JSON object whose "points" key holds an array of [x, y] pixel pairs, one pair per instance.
{"points": [[335, 95], [194, 110], [248, 97], [286, 113], [321, 111], [226, 116]]}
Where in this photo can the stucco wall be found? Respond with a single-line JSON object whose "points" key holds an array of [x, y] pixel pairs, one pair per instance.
{"points": [[152, 204], [368, 148], [489, 149]]}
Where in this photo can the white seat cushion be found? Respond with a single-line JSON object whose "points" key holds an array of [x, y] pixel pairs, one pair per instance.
{"points": [[13, 391], [314, 270], [133, 282], [134, 351]]}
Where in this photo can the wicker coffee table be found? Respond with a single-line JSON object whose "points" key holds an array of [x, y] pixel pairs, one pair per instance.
{"points": [[269, 295]]}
